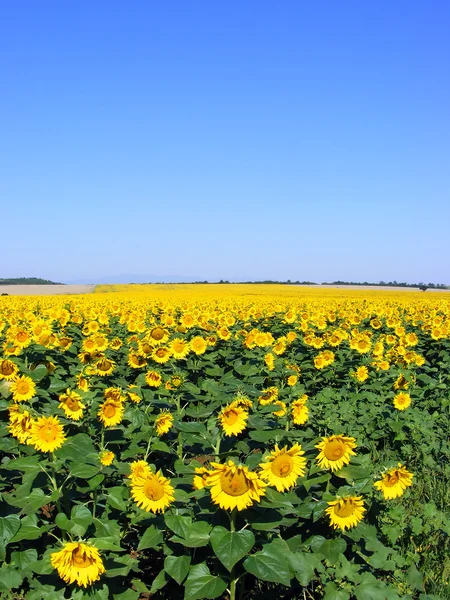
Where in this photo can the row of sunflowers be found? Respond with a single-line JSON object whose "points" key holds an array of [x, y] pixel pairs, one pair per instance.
{"points": [[212, 442]]}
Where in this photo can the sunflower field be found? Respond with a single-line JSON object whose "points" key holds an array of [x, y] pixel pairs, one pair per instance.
{"points": [[231, 442]]}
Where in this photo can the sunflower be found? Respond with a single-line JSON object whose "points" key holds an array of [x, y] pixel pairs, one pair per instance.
{"points": [[234, 486], [335, 451], [401, 383], [132, 395], [201, 477], [198, 345], [282, 410], [241, 402], [269, 359], [394, 482], [233, 420], [361, 374], [47, 434], [161, 355], [179, 348], [71, 404], [106, 457], [299, 410], [292, 380], [111, 412], [268, 396], [283, 467], [8, 369], [140, 469], [20, 424], [158, 335], [152, 492], [78, 562], [135, 361], [174, 383], [23, 388], [163, 423], [346, 512], [402, 400], [116, 344], [153, 379], [104, 366]]}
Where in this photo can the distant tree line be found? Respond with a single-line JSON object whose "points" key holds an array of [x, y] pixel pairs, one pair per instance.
{"points": [[420, 285], [27, 281]]}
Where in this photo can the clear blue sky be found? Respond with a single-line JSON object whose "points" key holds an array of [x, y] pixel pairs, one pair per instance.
{"points": [[239, 140]]}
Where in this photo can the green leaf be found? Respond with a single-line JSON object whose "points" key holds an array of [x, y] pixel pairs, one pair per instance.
{"points": [[177, 567], [9, 526], [10, 578], [80, 519], [151, 539], [231, 546], [29, 529], [198, 535], [39, 373], [115, 497], [201, 584], [106, 543], [178, 524], [333, 593], [159, 582], [304, 566], [26, 464], [271, 564], [22, 560], [333, 549], [415, 578], [83, 471], [33, 502]]}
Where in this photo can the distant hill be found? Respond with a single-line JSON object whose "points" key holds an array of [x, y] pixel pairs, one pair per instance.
{"points": [[27, 281]]}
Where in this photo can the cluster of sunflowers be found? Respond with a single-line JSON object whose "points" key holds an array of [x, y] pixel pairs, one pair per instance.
{"points": [[193, 389]]}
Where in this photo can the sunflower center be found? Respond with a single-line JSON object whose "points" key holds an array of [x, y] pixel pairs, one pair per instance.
{"points": [[104, 365], [49, 433], [282, 465], [230, 417], [72, 404], [343, 509], [23, 387], [157, 334], [80, 560], [334, 450], [161, 353], [7, 369], [153, 490], [109, 411], [22, 336], [391, 479], [234, 484]]}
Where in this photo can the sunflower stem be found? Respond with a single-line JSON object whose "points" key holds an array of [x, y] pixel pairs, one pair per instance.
{"points": [[217, 448], [233, 578], [147, 452], [180, 438]]}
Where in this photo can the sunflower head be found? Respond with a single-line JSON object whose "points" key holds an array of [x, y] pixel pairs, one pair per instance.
{"points": [[47, 434], [234, 486], [152, 491], [394, 482], [335, 451], [79, 563], [163, 423], [346, 512], [233, 419], [283, 467]]}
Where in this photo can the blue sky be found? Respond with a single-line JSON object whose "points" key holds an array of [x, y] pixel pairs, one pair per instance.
{"points": [[236, 140]]}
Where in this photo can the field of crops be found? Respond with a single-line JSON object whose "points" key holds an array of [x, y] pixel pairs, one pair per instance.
{"points": [[239, 442]]}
